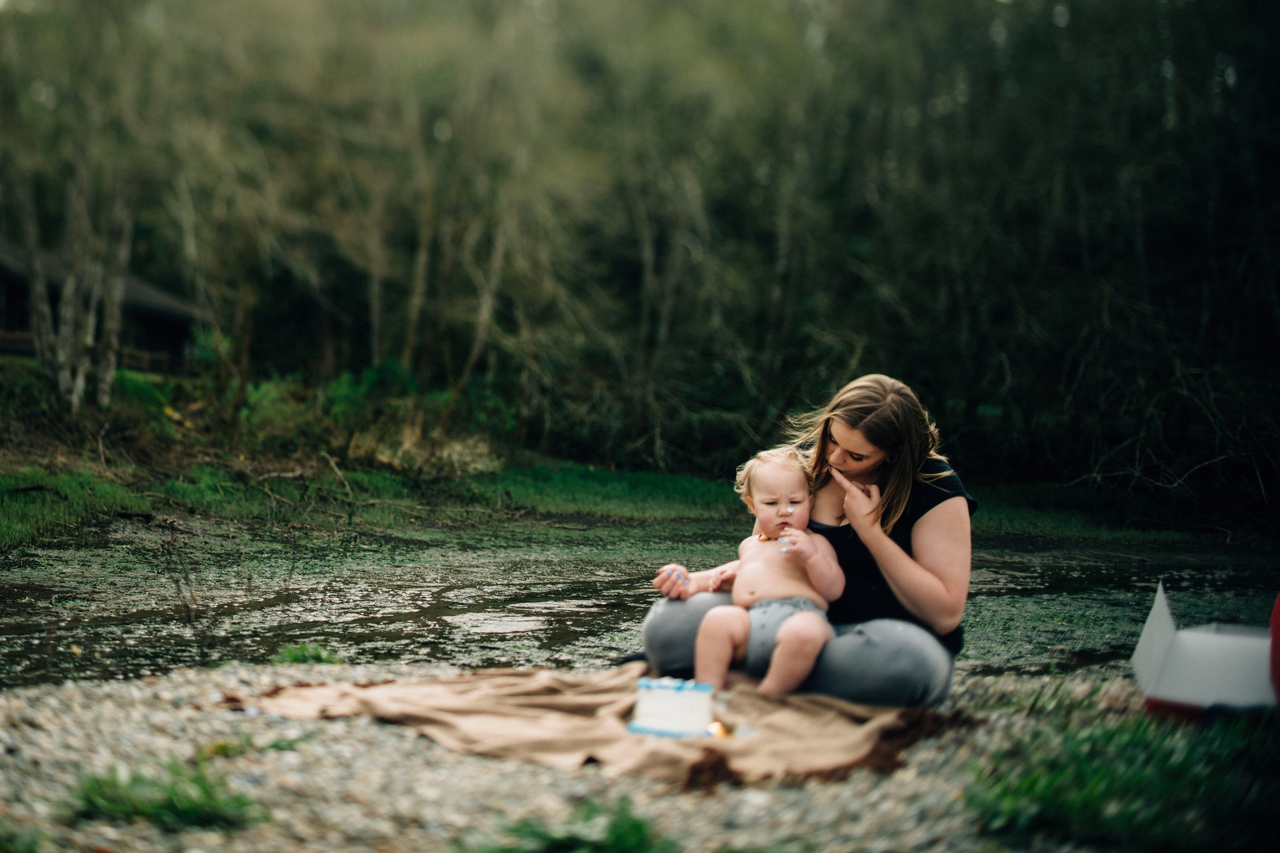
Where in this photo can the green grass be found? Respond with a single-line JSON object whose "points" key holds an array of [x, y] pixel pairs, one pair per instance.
{"points": [[1070, 513], [35, 504], [244, 745], [568, 489], [305, 653], [380, 498], [1141, 783], [15, 839], [592, 830], [184, 797]]}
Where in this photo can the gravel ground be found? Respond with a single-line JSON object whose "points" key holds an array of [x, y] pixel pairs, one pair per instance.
{"points": [[355, 785]]}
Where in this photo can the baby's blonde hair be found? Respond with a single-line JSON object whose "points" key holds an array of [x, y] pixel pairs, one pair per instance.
{"points": [[787, 456]]}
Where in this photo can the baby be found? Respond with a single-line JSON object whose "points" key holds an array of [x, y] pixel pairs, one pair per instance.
{"points": [[781, 583]]}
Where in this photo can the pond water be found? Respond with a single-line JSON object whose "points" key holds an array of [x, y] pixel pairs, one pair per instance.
{"points": [[142, 597]]}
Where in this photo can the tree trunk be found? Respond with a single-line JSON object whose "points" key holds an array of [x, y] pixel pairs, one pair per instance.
{"points": [[645, 241], [37, 277], [113, 306], [376, 251], [66, 336], [417, 295], [440, 302], [86, 334], [487, 289], [77, 289]]}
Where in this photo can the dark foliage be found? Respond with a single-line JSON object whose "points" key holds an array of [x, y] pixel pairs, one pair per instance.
{"points": [[644, 234]]}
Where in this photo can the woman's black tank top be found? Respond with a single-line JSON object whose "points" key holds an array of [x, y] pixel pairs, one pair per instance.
{"points": [[867, 595]]}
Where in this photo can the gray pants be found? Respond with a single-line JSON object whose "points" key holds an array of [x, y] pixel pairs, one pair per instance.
{"points": [[881, 662]]}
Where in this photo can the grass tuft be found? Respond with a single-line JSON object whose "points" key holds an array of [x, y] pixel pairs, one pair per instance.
{"points": [[184, 797], [592, 830], [1141, 783], [244, 745], [35, 504], [305, 653], [15, 839]]}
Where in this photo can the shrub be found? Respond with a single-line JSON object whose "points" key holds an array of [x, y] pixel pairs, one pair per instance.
{"points": [[280, 417], [1142, 783]]}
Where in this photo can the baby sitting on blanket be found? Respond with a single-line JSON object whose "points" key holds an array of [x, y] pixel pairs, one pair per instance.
{"points": [[781, 583]]}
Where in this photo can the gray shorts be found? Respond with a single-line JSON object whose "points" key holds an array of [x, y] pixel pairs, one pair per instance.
{"points": [[767, 617]]}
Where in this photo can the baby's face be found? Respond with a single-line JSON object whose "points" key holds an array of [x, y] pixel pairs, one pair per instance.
{"points": [[779, 500]]}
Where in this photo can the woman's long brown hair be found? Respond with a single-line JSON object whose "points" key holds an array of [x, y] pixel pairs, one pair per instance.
{"points": [[890, 416]]}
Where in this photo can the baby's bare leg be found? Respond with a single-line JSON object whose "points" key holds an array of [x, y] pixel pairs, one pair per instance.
{"points": [[800, 641], [722, 639]]}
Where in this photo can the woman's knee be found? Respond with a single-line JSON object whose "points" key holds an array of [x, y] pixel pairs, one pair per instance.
{"points": [[670, 630], [884, 662]]}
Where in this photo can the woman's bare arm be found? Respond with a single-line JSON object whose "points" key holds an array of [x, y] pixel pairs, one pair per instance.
{"points": [[934, 583]]}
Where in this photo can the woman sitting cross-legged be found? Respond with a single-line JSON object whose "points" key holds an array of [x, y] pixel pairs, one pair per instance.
{"points": [[897, 517]]}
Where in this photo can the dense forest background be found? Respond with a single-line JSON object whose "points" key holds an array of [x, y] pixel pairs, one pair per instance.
{"points": [[642, 233]]}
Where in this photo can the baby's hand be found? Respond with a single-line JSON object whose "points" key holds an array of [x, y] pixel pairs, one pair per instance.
{"points": [[797, 542], [724, 575]]}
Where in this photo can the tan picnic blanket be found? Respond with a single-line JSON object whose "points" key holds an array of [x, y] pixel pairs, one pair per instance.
{"points": [[564, 720]]}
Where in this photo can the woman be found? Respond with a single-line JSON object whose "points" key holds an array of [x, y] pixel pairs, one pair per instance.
{"points": [[898, 518]]}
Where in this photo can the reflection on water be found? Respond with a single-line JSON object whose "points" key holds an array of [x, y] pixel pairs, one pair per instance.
{"points": [[110, 614]]}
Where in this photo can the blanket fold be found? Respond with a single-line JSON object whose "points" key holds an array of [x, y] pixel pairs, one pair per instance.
{"points": [[565, 720]]}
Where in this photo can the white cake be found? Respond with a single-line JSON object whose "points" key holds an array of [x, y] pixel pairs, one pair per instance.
{"points": [[671, 707]]}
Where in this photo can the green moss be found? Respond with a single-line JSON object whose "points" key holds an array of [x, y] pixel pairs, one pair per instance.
{"points": [[1143, 783], [36, 504], [1068, 513], [184, 797], [305, 653]]}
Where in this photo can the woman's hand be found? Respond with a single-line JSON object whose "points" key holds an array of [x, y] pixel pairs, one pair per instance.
{"points": [[934, 583], [861, 505]]}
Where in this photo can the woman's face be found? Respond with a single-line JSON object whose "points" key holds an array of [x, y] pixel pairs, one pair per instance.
{"points": [[849, 452]]}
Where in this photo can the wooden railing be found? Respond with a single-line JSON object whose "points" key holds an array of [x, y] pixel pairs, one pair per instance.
{"points": [[23, 343], [19, 343]]}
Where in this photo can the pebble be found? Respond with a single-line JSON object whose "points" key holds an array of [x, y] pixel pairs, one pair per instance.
{"points": [[355, 784]]}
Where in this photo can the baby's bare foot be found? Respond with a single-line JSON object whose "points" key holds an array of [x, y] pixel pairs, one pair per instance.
{"points": [[738, 677]]}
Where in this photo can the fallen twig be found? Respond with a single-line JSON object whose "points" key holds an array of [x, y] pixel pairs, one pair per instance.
{"points": [[275, 497], [283, 475], [333, 463]]}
